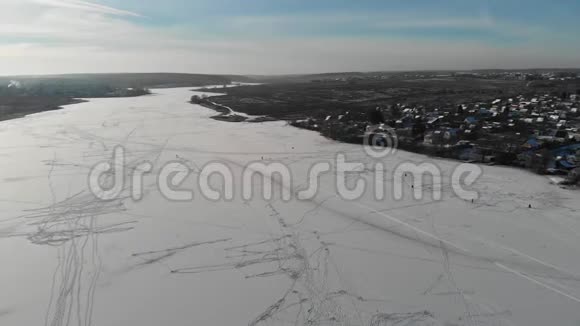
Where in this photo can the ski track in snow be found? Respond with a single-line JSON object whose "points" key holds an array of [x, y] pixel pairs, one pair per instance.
{"points": [[320, 262]]}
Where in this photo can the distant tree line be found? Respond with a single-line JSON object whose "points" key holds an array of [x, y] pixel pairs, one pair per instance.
{"points": [[62, 89]]}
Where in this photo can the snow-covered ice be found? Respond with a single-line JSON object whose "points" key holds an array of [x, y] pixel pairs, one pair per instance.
{"points": [[70, 259]]}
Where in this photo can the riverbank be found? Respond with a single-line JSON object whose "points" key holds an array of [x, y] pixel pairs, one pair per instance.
{"points": [[23, 95], [467, 120], [226, 113], [19, 107]]}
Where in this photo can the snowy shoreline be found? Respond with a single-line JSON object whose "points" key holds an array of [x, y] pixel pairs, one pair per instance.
{"points": [[322, 261]]}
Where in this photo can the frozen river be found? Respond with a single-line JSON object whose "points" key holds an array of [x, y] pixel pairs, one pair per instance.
{"points": [[68, 258]]}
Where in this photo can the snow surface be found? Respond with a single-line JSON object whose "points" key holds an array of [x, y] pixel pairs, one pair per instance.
{"points": [[70, 259]]}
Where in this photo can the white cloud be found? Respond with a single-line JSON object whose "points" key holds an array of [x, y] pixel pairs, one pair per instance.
{"points": [[58, 36], [86, 6], [272, 56], [388, 20]]}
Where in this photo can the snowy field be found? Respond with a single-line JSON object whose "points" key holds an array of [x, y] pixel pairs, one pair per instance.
{"points": [[68, 258]]}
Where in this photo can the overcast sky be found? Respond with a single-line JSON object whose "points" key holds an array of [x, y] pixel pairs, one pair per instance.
{"points": [[285, 36]]}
